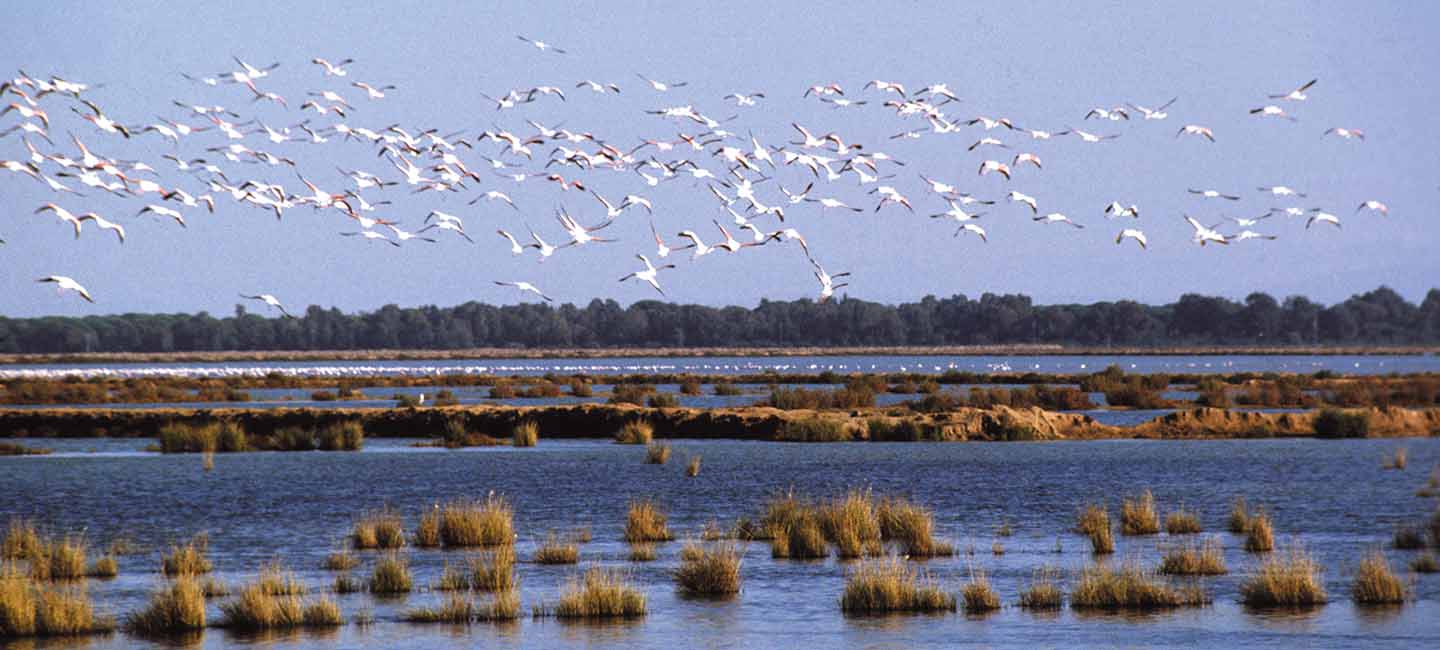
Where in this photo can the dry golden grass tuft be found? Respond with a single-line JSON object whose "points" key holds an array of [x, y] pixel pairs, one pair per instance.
{"points": [[646, 522], [1138, 516], [1043, 592], [1129, 587], [709, 570], [1290, 579], [1376, 583], [557, 551], [600, 593], [174, 608], [1190, 559], [890, 585]]}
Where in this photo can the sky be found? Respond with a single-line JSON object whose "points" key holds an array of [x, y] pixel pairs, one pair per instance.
{"points": [[1043, 65]]}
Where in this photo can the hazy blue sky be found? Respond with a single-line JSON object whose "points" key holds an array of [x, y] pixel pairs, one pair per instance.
{"points": [[1041, 64]]}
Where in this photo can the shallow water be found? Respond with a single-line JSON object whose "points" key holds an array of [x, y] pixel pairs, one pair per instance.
{"points": [[1348, 364], [1329, 495]]}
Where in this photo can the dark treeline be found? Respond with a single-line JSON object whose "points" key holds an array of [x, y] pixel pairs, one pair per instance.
{"points": [[1377, 317]]}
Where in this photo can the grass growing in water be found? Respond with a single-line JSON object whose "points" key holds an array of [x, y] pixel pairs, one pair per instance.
{"points": [[427, 530], [912, 526], [21, 539], [978, 595], [657, 453], [173, 608], [1138, 515], [58, 559], [692, 466], [1094, 522], [391, 576], [456, 609], [1043, 591], [709, 570], [635, 432], [600, 593], [494, 570], [1190, 559], [1259, 536], [1182, 522], [187, 559], [852, 525], [1130, 587], [557, 551], [378, 529], [642, 552], [645, 522], [1289, 579], [1397, 459], [1376, 584], [342, 436], [1425, 563], [890, 585], [1239, 520], [477, 523], [341, 560], [1409, 538], [525, 434]]}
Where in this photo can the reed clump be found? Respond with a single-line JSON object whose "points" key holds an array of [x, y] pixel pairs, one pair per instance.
{"points": [[977, 594], [488, 522], [1397, 459], [525, 434], [348, 584], [256, 607], [276, 580], [341, 560], [1043, 591], [1239, 520], [657, 453], [692, 466], [391, 576], [889, 585], [642, 552], [174, 608], [1290, 579], [456, 609], [58, 558], [814, 429], [557, 551], [378, 529], [911, 526], [494, 570], [712, 569], [1259, 535], [105, 566], [852, 524], [427, 529], [1409, 538], [1138, 516], [188, 559], [726, 389], [1190, 559], [600, 593], [66, 612], [1425, 563], [1130, 587], [1094, 522], [342, 436], [1182, 522], [646, 522], [635, 432], [1376, 583], [21, 539]]}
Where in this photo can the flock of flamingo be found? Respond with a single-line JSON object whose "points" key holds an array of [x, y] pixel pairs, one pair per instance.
{"points": [[739, 173]]}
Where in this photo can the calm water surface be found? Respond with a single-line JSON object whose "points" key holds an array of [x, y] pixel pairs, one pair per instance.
{"points": [[1330, 495]]}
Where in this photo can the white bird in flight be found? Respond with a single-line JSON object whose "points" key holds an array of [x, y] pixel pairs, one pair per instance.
{"points": [[525, 286], [63, 283], [1132, 233], [269, 300], [1297, 95], [1204, 234], [648, 273]]}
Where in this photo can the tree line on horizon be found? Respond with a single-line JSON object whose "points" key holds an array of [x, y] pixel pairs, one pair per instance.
{"points": [[1377, 317]]}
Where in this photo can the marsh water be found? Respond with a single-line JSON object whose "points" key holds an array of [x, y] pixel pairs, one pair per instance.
{"points": [[1331, 496]]}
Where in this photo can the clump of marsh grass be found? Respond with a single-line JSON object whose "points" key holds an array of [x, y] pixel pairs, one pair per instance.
{"points": [[814, 429], [453, 578], [1190, 559], [979, 597], [427, 531], [645, 522], [1409, 538], [378, 529], [635, 432], [996, 548], [557, 551], [1138, 515], [341, 560], [1376, 583], [321, 612], [890, 585], [391, 576], [1043, 591], [1130, 587], [173, 608], [800, 540], [1259, 535], [256, 609], [1397, 459], [726, 389], [214, 588], [457, 609], [692, 466], [525, 434], [21, 539], [644, 552], [67, 612], [709, 570], [1182, 522], [493, 571], [105, 566], [852, 525], [1094, 522], [1239, 520], [188, 559], [477, 523], [912, 527], [348, 435], [1290, 579], [207, 461], [348, 584], [60, 558], [657, 453], [17, 603], [1425, 563], [600, 593], [276, 580]]}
